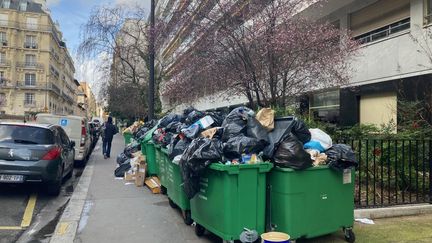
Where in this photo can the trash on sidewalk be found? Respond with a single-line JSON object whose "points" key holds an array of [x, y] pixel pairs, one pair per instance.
{"points": [[365, 221], [153, 184]]}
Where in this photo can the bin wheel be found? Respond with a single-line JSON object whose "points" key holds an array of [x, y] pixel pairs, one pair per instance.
{"points": [[171, 203], [199, 230], [349, 235], [187, 217], [163, 190]]}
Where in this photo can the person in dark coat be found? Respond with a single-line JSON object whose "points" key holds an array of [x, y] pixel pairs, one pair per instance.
{"points": [[108, 132]]}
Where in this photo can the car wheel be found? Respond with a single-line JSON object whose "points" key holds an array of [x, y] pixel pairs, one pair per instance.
{"points": [[54, 188]]}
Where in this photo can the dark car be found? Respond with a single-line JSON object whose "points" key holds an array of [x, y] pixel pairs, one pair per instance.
{"points": [[35, 153], [94, 132]]}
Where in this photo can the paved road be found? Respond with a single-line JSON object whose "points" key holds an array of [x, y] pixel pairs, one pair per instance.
{"points": [[27, 214]]}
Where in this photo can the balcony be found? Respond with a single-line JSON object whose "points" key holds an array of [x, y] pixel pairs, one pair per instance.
{"points": [[29, 103], [4, 63], [30, 65], [30, 45], [68, 98]]}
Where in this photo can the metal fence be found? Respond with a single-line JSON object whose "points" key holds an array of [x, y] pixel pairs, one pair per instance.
{"points": [[392, 171]]}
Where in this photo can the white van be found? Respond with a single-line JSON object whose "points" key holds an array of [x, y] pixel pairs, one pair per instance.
{"points": [[76, 127]]}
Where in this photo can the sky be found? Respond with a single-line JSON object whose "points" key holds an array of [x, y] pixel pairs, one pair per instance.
{"points": [[71, 15]]}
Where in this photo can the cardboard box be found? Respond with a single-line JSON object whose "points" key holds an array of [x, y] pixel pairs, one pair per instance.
{"points": [[153, 184], [129, 176], [139, 179]]}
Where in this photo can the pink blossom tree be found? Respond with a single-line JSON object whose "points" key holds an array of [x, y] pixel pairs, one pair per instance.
{"points": [[265, 51]]}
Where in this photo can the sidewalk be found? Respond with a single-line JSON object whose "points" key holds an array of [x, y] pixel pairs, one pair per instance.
{"points": [[115, 212]]}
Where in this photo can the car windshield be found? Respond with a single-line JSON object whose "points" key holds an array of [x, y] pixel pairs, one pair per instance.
{"points": [[25, 134]]}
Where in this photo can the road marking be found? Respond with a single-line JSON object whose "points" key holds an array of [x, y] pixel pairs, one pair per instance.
{"points": [[62, 228], [11, 228], [28, 213]]}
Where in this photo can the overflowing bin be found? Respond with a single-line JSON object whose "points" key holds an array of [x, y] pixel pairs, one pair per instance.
{"points": [[231, 198], [310, 203], [176, 195], [152, 162], [127, 137], [161, 162]]}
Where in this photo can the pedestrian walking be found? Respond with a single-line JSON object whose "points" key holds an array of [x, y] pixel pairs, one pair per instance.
{"points": [[108, 132]]}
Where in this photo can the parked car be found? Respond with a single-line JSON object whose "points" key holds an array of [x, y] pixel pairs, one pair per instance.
{"points": [[39, 153], [94, 132], [77, 129]]}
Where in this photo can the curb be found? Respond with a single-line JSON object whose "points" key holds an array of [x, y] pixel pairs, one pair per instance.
{"points": [[396, 211], [67, 226]]}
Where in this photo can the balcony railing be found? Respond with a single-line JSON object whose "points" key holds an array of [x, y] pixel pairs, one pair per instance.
{"points": [[30, 45], [37, 85], [29, 103], [33, 65], [384, 31], [4, 63]]}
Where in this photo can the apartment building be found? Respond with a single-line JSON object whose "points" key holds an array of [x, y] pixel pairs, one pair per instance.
{"points": [[36, 69], [391, 65]]}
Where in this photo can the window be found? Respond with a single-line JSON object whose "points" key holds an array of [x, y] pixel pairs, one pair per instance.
{"points": [[4, 19], [63, 137], [324, 106], [30, 42], [30, 79], [32, 23], [23, 5], [6, 4], [3, 39], [378, 15], [29, 99], [2, 99], [30, 59], [427, 11], [2, 58]]}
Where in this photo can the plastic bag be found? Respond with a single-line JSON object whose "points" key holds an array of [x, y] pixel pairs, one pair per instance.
{"points": [[200, 154], [236, 146], [266, 117], [121, 158], [256, 130], [194, 116], [132, 148], [235, 123], [312, 144], [192, 131], [119, 171], [177, 147], [301, 131], [291, 154], [320, 136], [168, 119], [340, 157], [218, 118], [173, 126]]}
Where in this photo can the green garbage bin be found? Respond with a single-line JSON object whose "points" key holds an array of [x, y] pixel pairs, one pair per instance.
{"points": [[310, 203], [176, 195], [160, 158], [152, 162], [147, 139], [127, 137], [231, 198]]}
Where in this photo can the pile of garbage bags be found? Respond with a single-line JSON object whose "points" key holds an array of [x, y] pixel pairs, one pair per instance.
{"points": [[195, 139]]}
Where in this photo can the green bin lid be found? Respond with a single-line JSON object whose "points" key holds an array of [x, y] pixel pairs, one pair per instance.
{"points": [[235, 169]]}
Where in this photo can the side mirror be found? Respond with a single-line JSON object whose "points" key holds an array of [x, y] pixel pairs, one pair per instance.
{"points": [[72, 143]]}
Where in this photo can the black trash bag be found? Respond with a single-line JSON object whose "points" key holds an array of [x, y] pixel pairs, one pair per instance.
{"points": [[132, 148], [257, 131], [168, 119], [172, 127], [194, 116], [301, 131], [120, 171], [193, 131], [236, 146], [121, 158], [188, 110], [235, 123], [195, 159], [166, 139], [340, 157], [181, 127], [291, 154], [218, 118], [283, 128], [177, 146]]}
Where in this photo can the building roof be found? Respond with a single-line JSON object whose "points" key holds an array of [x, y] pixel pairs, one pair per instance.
{"points": [[31, 6]]}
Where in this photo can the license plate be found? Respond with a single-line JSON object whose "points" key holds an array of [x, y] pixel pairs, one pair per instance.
{"points": [[12, 178]]}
